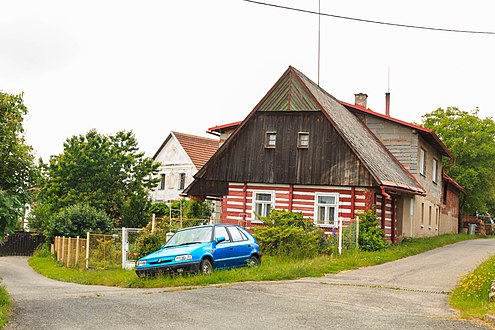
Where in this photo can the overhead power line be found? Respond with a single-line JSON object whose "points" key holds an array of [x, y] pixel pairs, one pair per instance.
{"points": [[367, 20]]}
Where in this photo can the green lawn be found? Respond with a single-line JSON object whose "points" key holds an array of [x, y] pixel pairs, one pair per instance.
{"points": [[5, 307], [272, 268], [470, 297]]}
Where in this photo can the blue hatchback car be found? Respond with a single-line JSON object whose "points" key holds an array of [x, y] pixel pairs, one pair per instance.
{"points": [[202, 249]]}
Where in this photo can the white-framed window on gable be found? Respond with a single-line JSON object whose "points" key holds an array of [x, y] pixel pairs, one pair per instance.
{"points": [[303, 140], [326, 209], [182, 181], [434, 172], [270, 139], [263, 202], [161, 185], [422, 161]]}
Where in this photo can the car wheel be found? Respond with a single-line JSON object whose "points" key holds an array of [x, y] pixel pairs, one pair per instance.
{"points": [[205, 267], [254, 261]]}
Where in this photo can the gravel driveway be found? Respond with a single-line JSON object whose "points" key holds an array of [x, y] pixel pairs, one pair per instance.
{"points": [[411, 293]]}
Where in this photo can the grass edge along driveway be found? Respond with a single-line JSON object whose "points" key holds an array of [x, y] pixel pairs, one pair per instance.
{"points": [[5, 307], [272, 268]]}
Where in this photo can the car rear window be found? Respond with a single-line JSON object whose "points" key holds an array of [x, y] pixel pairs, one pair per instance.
{"points": [[236, 234]]}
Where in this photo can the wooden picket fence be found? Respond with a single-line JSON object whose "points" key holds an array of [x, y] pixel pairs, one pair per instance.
{"points": [[70, 251]]}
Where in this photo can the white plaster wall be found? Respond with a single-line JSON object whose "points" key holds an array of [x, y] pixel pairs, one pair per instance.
{"points": [[174, 161]]}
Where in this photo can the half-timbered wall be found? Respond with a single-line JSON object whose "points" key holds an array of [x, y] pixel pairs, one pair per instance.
{"points": [[238, 204]]}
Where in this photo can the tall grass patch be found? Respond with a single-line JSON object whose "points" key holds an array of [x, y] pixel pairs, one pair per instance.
{"points": [[470, 297], [5, 307]]}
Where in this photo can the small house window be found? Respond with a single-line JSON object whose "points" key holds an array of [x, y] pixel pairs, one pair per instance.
{"points": [[161, 186], [434, 170], [326, 209], [422, 163], [270, 139], [303, 140], [262, 204], [182, 182]]}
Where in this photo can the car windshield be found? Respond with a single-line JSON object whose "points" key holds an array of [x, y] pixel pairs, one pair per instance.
{"points": [[190, 236]]}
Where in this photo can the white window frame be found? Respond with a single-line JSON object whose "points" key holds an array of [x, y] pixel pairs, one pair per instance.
{"points": [[268, 141], [162, 184], [422, 160], [299, 139], [434, 174], [254, 202], [182, 181], [336, 210]]}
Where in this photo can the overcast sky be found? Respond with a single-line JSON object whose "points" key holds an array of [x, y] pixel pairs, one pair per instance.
{"points": [[156, 66]]}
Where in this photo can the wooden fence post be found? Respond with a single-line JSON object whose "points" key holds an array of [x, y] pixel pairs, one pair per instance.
{"points": [[63, 249], [68, 251], [77, 251], [340, 235]]}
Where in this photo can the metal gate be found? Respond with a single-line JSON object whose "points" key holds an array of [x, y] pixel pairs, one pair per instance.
{"points": [[21, 244]]}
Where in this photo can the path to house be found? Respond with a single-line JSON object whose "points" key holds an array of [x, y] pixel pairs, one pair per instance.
{"points": [[406, 294]]}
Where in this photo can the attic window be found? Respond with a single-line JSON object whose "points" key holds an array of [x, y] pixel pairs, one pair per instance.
{"points": [[303, 140], [270, 139], [162, 182]]}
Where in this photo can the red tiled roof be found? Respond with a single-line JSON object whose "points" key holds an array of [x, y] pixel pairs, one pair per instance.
{"points": [[453, 182], [198, 148], [221, 128]]}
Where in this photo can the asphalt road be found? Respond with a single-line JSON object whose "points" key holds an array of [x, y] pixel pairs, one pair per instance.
{"points": [[411, 293]]}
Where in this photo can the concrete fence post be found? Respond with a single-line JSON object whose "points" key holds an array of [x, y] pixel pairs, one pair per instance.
{"points": [[87, 250], [340, 235], [357, 232]]}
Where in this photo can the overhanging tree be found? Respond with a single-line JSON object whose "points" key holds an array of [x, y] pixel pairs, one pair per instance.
{"points": [[104, 171], [472, 141], [17, 168]]}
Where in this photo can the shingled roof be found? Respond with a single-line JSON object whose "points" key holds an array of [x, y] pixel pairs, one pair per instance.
{"points": [[385, 168], [296, 92], [198, 148]]}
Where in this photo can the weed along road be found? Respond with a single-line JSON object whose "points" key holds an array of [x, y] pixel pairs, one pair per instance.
{"points": [[411, 293]]}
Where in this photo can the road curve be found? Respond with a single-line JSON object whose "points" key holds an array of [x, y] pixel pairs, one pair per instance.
{"points": [[411, 293]]}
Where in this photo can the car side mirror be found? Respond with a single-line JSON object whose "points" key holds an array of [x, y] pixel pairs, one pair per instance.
{"points": [[220, 239]]}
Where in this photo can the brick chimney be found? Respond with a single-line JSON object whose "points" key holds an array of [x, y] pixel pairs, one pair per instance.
{"points": [[360, 99], [387, 104]]}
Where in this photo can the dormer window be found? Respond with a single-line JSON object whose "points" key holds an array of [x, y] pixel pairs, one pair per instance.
{"points": [[303, 140], [270, 139]]}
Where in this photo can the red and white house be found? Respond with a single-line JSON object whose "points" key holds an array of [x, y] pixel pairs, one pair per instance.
{"points": [[301, 150]]}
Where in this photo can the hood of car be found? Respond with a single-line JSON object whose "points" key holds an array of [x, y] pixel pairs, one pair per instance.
{"points": [[175, 251]]}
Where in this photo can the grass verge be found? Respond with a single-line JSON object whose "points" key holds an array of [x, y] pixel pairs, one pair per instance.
{"points": [[272, 268], [5, 307], [470, 297]]}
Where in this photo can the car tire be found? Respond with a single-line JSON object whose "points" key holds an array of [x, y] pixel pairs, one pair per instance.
{"points": [[205, 267], [254, 261]]}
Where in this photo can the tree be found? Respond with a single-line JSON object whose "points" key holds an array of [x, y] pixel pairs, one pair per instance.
{"points": [[17, 170], [106, 172], [472, 141]]}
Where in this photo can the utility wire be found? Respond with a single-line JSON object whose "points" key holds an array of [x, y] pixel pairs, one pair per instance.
{"points": [[367, 20]]}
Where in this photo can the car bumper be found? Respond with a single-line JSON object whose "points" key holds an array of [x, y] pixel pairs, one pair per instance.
{"points": [[186, 267]]}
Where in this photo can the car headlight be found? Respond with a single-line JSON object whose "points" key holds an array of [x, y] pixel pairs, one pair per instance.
{"points": [[141, 263], [183, 257]]}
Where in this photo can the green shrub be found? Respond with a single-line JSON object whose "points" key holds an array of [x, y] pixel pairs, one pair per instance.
{"points": [[290, 234], [371, 237], [148, 242], [76, 220], [160, 209]]}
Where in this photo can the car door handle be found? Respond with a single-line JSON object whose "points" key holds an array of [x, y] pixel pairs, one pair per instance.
{"points": [[231, 247]]}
